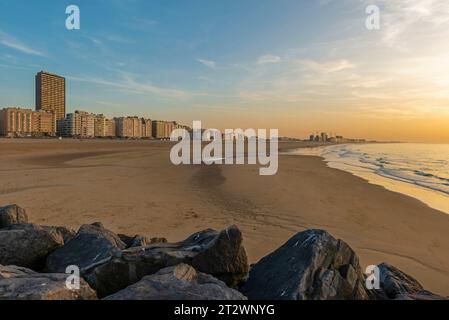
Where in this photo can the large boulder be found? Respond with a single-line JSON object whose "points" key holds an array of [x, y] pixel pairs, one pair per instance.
{"points": [[397, 285], [312, 265], [18, 283], [27, 245], [89, 247], [181, 282], [220, 254], [12, 214]]}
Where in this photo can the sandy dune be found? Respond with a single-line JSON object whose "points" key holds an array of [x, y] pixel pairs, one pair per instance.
{"points": [[132, 187]]}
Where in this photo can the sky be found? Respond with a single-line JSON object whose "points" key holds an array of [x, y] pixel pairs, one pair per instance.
{"points": [[298, 66]]}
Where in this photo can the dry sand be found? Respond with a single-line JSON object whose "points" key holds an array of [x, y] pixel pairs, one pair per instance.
{"points": [[132, 187]]}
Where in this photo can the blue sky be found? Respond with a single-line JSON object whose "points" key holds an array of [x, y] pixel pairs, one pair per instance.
{"points": [[296, 65]]}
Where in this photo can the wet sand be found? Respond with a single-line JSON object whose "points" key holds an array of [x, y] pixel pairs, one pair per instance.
{"points": [[132, 187]]}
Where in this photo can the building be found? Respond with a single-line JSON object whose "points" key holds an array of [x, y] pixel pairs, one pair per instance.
{"points": [[50, 94], [99, 125], [104, 127], [70, 126], [44, 123], [124, 127], [158, 129], [87, 124], [109, 128], [169, 127], [163, 129], [137, 127], [323, 137], [133, 127], [16, 122], [19, 122], [77, 124], [147, 128]]}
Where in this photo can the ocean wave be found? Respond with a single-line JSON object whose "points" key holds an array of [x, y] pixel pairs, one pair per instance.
{"points": [[407, 165]]}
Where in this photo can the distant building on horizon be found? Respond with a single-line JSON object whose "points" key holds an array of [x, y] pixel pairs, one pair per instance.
{"points": [[50, 94]]}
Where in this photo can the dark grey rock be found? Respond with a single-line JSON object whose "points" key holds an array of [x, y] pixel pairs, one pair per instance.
{"points": [[398, 285], [181, 282], [136, 241], [90, 246], [12, 214], [27, 245], [312, 265], [18, 283], [220, 254]]}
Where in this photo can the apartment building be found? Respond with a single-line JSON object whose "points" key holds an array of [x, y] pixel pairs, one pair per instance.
{"points": [[133, 127], [104, 127], [77, 124], [87, 124], [124, 127], [16, 122], [50, 94], [19, 122], [163, 129], [147, 131], [44, 123]]}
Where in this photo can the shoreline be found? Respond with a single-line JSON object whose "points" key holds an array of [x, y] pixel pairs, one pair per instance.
{"points": [[134, 189], [434, 199]]}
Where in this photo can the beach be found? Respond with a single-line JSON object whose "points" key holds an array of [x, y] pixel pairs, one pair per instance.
{"points": [[133, 188]]}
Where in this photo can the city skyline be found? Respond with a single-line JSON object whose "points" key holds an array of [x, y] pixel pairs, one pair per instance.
{"points": [[296, 67]]}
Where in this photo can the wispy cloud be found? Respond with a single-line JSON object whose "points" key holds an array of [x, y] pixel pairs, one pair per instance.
{"points": [[406, 21], [96, 41], [208, 63], [268, 58], [129, 84], [326, 66], [11, 42], [141, 24], [119, 39]]}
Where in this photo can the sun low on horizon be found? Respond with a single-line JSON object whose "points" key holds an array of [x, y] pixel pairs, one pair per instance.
{"points": [[300, 67]]}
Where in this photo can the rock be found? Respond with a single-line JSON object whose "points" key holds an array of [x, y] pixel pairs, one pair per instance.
{"points": [[397, 285], [158, 240], [12, 214], [90, 246], [139, 241], [312, 265], [66, 233], [27, 245], [136, 241], [7, 272], [18, 283], [220, 254], [181, 282]]}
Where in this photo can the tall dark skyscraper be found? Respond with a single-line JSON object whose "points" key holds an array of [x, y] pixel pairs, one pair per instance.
{"points": [[50, 93]]}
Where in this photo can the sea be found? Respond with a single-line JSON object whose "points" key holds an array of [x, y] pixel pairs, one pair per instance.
{"points": [[417, 170]]}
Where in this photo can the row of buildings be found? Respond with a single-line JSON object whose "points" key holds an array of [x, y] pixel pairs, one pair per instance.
{"points": [[19, 122], [50, 118], [88, 125], [324, 137]]}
